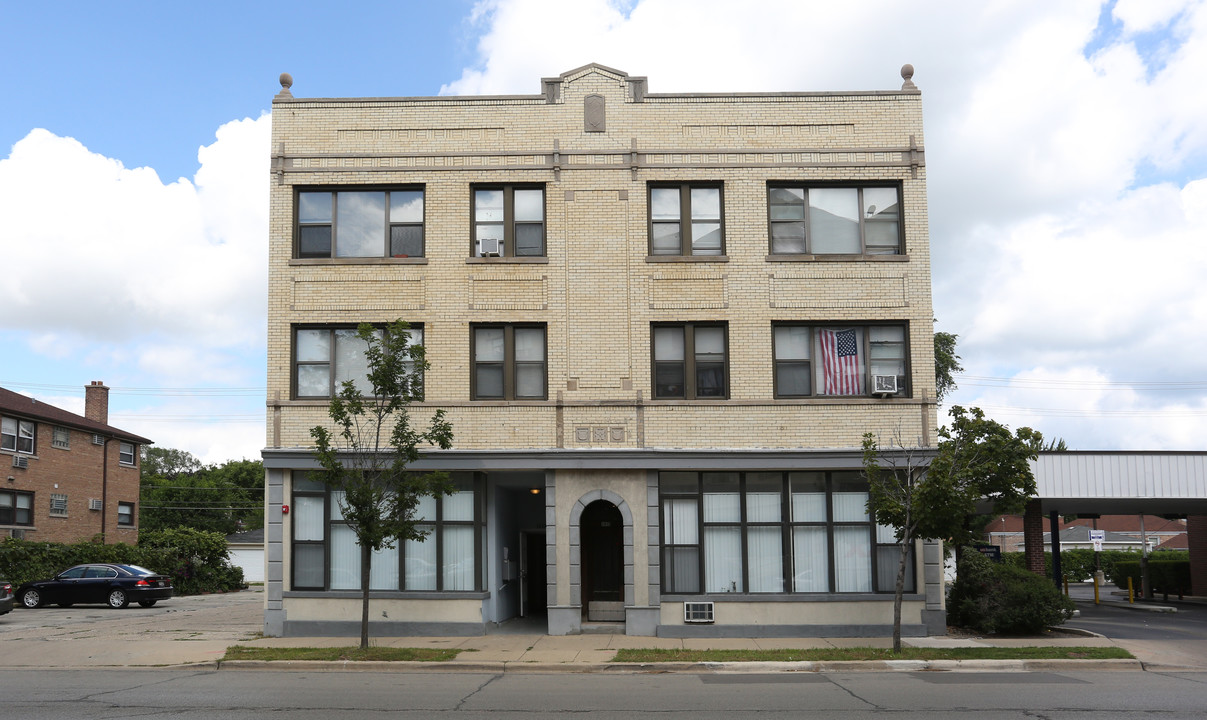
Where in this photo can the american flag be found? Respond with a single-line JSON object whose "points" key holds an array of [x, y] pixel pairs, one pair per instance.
{"points": [[840, 362]]}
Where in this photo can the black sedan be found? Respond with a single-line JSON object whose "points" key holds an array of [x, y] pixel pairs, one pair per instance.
{"points": [[6, 596], [115, 585]]}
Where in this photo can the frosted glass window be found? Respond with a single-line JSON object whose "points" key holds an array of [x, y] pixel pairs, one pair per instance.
{"points": [[723, 559], [458, 558], [308, 520], [810, 560]]}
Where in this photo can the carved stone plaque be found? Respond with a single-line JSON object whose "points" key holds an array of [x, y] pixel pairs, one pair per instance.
{"points": [[594, 114]]}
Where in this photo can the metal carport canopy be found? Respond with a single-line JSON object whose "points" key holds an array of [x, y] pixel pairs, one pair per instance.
{"points": [[1122, 482]]}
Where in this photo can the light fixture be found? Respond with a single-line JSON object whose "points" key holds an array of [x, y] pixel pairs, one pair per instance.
{"points": [[535, 491]]}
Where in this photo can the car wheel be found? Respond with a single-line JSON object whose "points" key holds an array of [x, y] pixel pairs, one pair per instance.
{"points": [[146, 603], [118, 599], [31, 598], [65, 605]]}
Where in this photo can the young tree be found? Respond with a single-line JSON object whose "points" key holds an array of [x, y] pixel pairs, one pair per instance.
{"points": [[978, 464], [947, 364], [373, 444]]}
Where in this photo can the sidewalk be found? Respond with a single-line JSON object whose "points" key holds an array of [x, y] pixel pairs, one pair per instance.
{"points": [[195, 631]]}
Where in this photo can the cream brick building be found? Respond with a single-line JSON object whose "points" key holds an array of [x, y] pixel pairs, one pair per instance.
{"points": [[660, 325]]}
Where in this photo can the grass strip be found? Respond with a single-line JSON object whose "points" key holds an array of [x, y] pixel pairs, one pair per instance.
{"points": [[391, 654], [653, 655]]}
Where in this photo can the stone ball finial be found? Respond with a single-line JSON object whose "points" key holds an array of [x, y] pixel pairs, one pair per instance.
{"points": [[287, 80], [907, 74]]}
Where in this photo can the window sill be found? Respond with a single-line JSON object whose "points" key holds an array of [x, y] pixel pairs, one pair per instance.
{"points": [[509, 260], [53, 516], [687, 258], [837, 258], [360, 261], [687, 401]]}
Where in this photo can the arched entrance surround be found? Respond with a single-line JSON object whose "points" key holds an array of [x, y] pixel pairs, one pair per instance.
{"points": [[576, 565]]}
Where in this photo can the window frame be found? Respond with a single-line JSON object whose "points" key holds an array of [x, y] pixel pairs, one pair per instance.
{"points": [[129, 507], [10, 515], [436, 525], [689, 369], [509, 221], [686, 227], [387, 225], [509, 363], [125, 449], [787, 525], [24, 434], [805, 219], [332, 385], [61, 438], [905, 380]]}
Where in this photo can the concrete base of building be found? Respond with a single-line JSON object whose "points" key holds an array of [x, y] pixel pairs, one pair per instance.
{"points": [[565, 620], [351, 629], [788, 631], [935, 621], [641, 621]]}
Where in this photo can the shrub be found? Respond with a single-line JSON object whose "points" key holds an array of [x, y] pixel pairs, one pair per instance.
{"points": [[1168, 575], [196, 561], [1078, 565], [1000, 598]]}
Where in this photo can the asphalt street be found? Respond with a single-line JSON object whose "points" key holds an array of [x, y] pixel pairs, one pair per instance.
{"points": [[205, 693]]}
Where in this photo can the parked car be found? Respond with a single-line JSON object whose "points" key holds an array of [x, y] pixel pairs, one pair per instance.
{"points": [[6, 596], [114, 585]]}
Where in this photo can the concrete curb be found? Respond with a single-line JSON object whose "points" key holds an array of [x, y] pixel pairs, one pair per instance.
{"points": [[1142, 607], [833, 666]]}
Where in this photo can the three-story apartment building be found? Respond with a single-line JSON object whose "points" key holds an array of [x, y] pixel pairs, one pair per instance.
{"points": [[660, 325]]}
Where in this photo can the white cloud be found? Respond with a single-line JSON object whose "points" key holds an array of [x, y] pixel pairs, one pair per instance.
{"points": [[113, 274]]}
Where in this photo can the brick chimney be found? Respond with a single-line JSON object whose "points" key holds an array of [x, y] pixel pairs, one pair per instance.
{"points": [[96, 402]]}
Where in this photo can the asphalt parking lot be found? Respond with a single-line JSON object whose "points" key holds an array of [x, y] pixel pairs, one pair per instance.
{"points": [[182, 630]]}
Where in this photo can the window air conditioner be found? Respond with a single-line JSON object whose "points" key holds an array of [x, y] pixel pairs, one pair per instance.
{"points": [[884, 384], [490, 247], [20, 462], [697, 612], [98, 439], [94, 503]]}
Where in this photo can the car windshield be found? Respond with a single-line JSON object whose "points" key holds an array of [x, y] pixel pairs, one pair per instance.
{"points": [[136, 570]]}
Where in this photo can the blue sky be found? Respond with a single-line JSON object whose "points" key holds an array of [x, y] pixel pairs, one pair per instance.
{"points": [[1066, 160]]}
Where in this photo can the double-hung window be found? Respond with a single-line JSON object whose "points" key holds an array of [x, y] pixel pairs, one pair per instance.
{"points": [[125, 514], [509, 221], [125, 453], [360, 223], [686, 220], [834, 220], [16, 508], [17, 435], [509, 362], [835, 360], [690, 361], [326, 555], [773, 532], [325, 357]]}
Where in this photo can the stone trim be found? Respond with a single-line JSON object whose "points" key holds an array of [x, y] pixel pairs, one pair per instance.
{"points": [[575, 520]]}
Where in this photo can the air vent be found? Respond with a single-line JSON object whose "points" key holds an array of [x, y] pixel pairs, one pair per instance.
{"points": [[20, 462], [884, 384], [98, 439], [94, 503], [697, 612]]}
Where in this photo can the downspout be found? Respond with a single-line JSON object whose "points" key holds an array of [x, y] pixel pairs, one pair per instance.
{"points": [[104, 485]]}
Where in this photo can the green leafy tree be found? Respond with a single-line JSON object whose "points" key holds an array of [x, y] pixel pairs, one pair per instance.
{"points": [[373, 444], [947, 363], [978, 467], [177, 491]]}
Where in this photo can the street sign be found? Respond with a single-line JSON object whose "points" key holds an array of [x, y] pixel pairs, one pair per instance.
{"points": [[1097, 535]]}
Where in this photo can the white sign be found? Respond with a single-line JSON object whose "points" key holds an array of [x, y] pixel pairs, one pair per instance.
{"points": [[1097, 535], [1097, 545]]}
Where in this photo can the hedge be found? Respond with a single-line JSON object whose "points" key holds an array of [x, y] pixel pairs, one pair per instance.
{"points": [[1078, 565], [1168, 575], [197, 561]]}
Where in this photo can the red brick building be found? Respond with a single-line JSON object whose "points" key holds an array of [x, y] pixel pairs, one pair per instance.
{"points": [[67, 477]]}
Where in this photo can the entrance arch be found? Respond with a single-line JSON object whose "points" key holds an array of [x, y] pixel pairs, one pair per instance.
{"points": [[601, 556]]}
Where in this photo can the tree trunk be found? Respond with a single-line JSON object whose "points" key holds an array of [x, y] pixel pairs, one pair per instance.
{"points": [[366, 560], [899, 591]]}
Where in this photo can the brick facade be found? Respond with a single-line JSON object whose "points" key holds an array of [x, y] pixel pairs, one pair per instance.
{"points": [[1196, 535], [66, 461], [597, 141]]}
